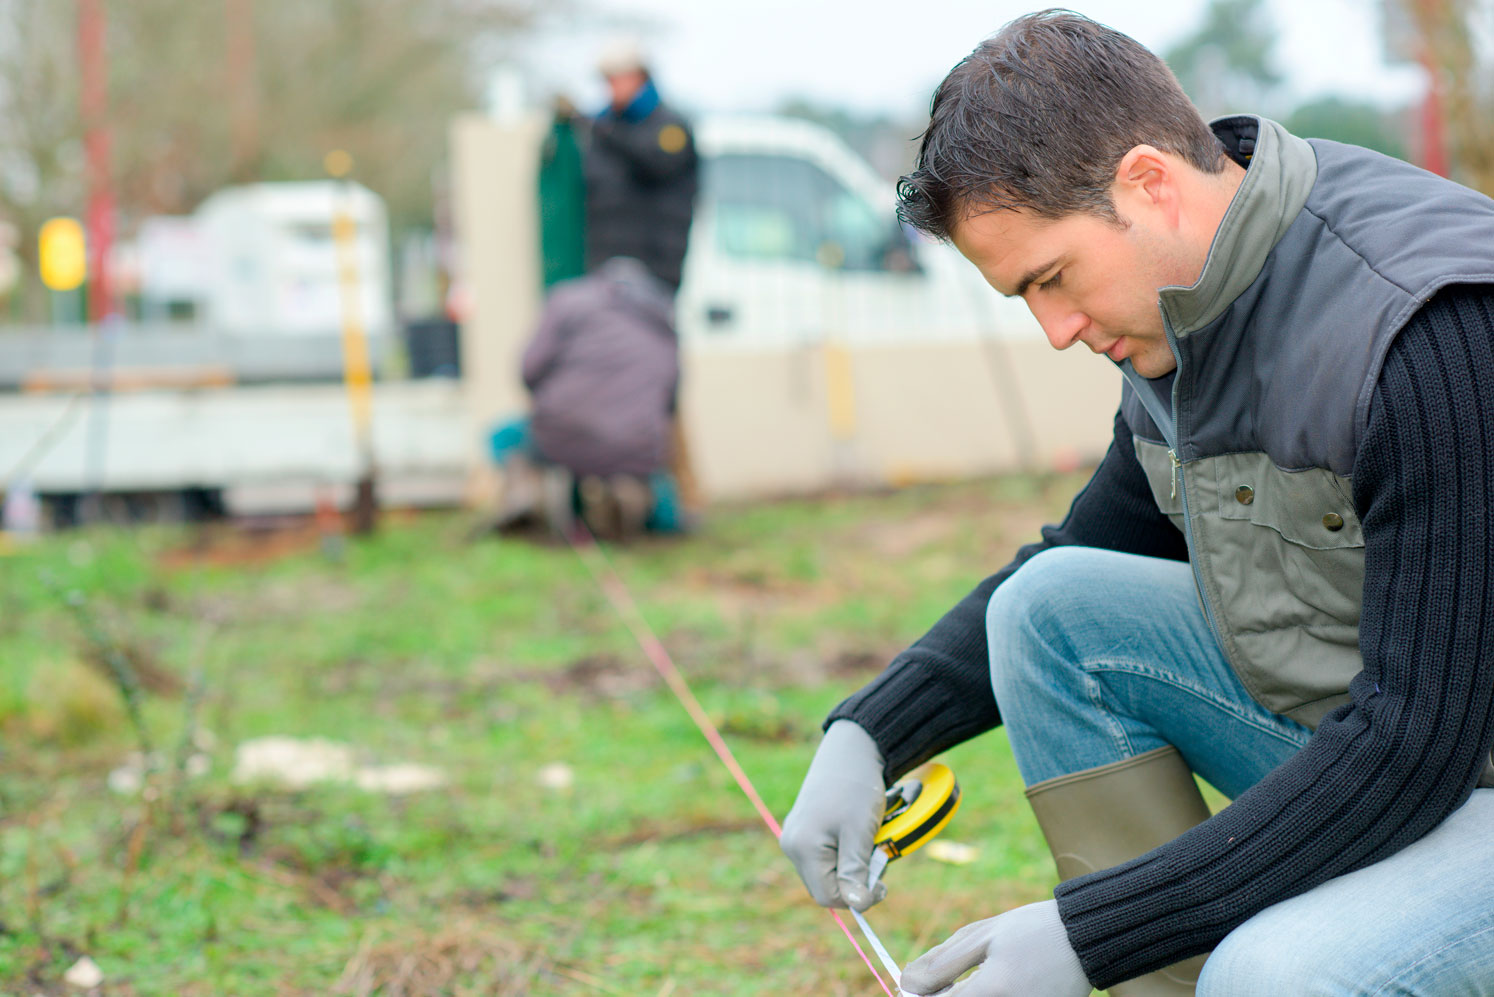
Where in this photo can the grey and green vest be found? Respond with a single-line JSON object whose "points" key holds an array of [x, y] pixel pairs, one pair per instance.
{"points": [[1324, 254]]}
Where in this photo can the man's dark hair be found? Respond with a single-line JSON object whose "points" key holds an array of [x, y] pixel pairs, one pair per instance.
{"points": [[1039, 116]]}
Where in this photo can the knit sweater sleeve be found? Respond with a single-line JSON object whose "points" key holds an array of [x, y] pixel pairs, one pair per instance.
{"points": [[1389, 766], [937, 693]]}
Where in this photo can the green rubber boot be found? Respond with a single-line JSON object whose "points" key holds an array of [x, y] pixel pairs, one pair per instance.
{"points": [[1105, 816]]}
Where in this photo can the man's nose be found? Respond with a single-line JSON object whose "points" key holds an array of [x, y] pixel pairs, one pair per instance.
{"points": [[1061, 325]]}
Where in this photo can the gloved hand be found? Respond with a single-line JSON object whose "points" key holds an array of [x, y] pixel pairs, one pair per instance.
{"points": [[1022, 953], [828, 833]]}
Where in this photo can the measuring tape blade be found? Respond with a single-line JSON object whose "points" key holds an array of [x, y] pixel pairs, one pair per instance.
{"points": [[880, 949]]}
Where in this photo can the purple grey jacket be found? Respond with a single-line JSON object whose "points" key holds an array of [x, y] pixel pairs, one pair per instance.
{"points": [[603, 368]]}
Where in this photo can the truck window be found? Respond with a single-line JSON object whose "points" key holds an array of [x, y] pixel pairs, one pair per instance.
{"points": [[781, 208]]}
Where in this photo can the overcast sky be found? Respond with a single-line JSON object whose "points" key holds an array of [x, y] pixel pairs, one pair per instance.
{"points": [[876, 55]]}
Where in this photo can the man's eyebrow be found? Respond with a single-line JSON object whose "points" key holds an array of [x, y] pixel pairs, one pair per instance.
{"points": [[1032, 275]]}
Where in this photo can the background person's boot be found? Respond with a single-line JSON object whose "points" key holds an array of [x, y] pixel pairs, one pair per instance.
{"points": [[523, 493], [559, 508], [633, 500], [598, 507], [1108, 815]]}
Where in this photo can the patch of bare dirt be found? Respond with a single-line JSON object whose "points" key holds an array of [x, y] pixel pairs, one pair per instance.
{"points": [[741, 592], [459, 959], [139, 659], [650, 830], [814, 666], [901, 537], [598, 676], [593, 677], [289, 599], [244, 543]]}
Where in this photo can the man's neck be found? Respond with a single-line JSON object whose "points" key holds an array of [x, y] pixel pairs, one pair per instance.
{"points": [[1215, 193]]}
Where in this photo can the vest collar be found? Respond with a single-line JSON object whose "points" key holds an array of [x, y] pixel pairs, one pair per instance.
{"points": [[1280, 170]]}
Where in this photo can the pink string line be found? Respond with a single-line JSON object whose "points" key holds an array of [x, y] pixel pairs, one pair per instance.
{"points": [[595, 559]]}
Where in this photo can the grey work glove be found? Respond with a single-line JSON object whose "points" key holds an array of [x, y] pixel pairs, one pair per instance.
{"points": [[828, 834], [1022, 953]]}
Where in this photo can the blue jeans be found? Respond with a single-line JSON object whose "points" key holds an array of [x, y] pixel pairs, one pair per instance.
{"points": [[1098, 656]]}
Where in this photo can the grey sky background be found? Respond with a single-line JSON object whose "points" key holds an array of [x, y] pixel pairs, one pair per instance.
{"points": [[876, 55]]}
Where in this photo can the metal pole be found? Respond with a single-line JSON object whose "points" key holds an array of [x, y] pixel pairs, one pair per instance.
{"points": [[357, 370], [94, 72], [94, 83], [243, 95]]}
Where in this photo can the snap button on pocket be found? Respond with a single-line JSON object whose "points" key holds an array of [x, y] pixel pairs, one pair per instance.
{"points": [[1244, 495], [1333, 521]]}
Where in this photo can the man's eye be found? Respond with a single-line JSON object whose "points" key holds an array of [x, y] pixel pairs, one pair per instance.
{"points": [[1051, 282]]}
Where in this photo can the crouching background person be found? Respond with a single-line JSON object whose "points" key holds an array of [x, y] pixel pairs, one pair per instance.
{"points": [[603, 372]]}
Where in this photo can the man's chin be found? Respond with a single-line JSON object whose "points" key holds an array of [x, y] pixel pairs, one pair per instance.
{"points": [[1151, 366]]}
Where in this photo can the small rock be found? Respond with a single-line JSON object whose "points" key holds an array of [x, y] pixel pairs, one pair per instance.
{"points": [[557, 776], [129, 778], [292, 762], [399, 779], [84, 974], [126, 780]]}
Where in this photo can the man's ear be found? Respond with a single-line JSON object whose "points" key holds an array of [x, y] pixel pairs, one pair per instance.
{"points": [[1146, 182]]}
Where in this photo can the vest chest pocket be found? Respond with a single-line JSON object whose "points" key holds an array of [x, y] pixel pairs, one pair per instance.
{"points": [[1283, 553], [1313, 508]]}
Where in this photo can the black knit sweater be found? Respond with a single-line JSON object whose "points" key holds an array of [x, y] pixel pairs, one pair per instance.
{"points": [[1380, 771]]}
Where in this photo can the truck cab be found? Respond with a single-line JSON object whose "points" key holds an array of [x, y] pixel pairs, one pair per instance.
{"points": [[796, 240]]}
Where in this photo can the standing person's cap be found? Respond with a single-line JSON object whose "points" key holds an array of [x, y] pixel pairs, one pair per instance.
{"points": [[622, 54]]}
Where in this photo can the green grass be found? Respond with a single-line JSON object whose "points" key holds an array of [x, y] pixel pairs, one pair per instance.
{"points": [[650, 874]]}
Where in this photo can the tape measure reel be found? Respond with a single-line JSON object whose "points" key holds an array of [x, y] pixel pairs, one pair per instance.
{"points": [[918, 807]]}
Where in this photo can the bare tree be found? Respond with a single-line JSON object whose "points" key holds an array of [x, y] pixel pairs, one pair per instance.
{"points": [[41, 132], [1455, 38], [1227, 63], [214, 92]]}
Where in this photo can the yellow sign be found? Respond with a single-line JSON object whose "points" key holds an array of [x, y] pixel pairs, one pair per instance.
{"points": [[338, 163], [63, 254]]}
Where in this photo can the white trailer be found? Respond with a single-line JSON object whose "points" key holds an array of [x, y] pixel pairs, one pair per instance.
{"points": [[272, 267]]}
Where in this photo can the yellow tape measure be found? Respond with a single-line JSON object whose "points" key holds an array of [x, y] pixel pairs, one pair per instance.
{"points": [[918, 807]]}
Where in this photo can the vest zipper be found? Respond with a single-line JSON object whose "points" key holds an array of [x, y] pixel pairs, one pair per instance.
{"points": [[1180, 485], [1167, 422]]}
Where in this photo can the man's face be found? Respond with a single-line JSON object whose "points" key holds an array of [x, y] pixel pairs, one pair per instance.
{"points": [[625, 86], [1086, 279]]}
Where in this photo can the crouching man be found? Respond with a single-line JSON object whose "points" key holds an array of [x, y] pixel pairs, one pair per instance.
{"points": [[1280, 578]]}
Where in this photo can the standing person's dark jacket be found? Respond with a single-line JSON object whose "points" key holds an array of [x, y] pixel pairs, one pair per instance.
{"points": [[603, 368], [641, 179]]}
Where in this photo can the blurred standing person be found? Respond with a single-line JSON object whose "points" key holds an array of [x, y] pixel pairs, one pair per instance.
{"points": [[642, 171], [642, 174], [603, 369]]}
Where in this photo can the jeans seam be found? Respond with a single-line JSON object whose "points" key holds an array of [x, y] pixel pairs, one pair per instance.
{"points": [[1094, 691], [1198, 691], [1401, 975]]}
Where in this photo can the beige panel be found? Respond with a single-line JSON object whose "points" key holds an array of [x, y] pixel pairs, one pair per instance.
{"points": [[760, 423], [957, 409], [494, 172]]}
